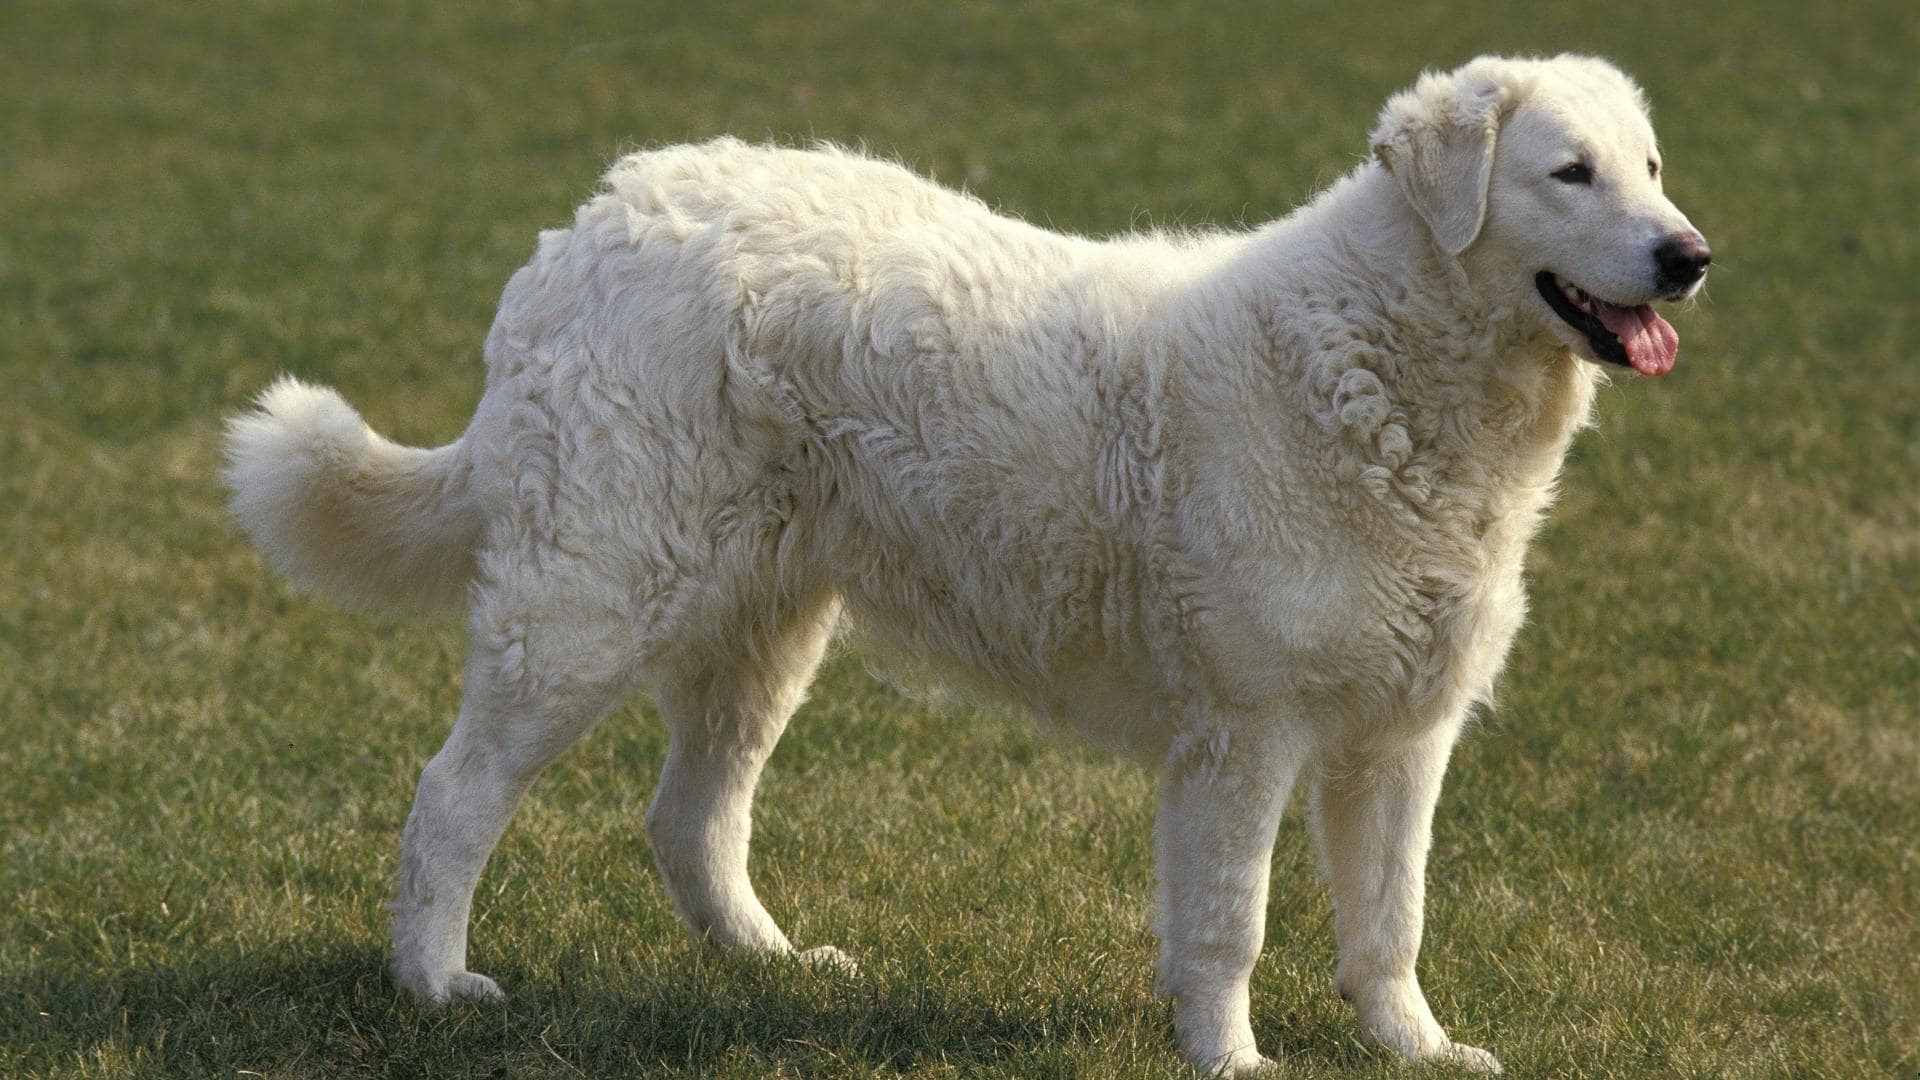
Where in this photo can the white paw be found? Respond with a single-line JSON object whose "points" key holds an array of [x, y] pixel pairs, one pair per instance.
{"points": [[1470, 1056], [459, 986], [472, 986], [1247, 1062], [826, 958]]}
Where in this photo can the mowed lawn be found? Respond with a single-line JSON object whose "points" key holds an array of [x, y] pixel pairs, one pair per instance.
{"points": [[1684, 842]]}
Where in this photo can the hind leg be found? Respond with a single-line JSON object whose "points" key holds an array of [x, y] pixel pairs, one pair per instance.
{"points": [[539, 675], [724, 715]]}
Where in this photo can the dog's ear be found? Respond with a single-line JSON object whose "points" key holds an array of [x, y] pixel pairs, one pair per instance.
{"points": [[1437, 140]]}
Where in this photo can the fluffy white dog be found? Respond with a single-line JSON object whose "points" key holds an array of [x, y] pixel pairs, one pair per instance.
{"points": [[1251, 506]]}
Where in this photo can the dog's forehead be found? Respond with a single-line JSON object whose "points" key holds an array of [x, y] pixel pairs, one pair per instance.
{"points": [[1596, 111]]}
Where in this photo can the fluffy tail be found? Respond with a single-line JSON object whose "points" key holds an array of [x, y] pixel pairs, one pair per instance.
{"points": [[337, 508]]}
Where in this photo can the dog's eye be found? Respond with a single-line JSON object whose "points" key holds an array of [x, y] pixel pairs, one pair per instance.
{"points": [[1653, 168], [1576, 173]]}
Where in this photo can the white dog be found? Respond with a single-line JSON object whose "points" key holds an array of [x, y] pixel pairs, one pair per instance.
{"points": [[1251, 506]]}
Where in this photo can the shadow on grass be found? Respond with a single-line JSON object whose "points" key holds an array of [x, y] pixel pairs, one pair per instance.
{"points": [[331, 1011]]}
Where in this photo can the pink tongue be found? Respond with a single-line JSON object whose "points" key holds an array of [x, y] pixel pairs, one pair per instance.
{"points": [[1651, 342]]}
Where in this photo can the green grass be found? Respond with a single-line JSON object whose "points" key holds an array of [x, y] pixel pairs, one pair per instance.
{"points": [[1684, 844]]}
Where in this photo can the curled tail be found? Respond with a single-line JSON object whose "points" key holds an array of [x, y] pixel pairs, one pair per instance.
{"points": [[337, 508]]}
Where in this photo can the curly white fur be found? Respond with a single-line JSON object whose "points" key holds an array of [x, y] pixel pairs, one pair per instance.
{"points": [[1250, 506]]}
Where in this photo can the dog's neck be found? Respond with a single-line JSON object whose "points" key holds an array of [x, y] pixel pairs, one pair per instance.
{"points": [[1383, 343], [1465, 364]]}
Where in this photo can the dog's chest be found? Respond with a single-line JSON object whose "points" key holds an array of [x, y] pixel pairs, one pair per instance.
{"points": [[1450, 636], [1403, 645], [1450, 596], [1432, 511], [1377, 602]]}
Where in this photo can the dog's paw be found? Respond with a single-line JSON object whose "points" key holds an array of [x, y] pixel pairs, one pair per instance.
{"points": [[1241, 1063], [459, 986], [473, 986], [826, 958], [1472, 1057]]}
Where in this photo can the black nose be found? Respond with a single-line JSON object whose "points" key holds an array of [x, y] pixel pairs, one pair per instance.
{"points": [[1682, 260]]}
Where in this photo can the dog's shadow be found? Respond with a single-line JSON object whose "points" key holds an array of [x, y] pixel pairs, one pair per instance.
{"points": [[329, 1009], [332, 1011]]}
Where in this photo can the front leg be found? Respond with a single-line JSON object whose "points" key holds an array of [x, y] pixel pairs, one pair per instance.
{"points": [[1220, 805], [1373, 816]]}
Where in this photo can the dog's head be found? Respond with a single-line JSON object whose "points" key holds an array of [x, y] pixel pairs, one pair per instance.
{"points": [[1543, 178]]}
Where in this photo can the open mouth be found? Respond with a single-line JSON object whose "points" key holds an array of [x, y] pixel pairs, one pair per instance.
{"points": [[1635, 337]]}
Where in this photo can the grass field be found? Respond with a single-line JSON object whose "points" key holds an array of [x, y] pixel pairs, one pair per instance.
{"points": [[1686, 843]]}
